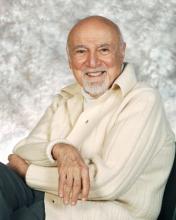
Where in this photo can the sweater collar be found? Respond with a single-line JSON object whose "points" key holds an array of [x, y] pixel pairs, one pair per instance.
{"points": [[126, 80]]}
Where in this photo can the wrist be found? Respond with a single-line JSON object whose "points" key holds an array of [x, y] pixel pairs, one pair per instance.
{"points": [[56, 150]]}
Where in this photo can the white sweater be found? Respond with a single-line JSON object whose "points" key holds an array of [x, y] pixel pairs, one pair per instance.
{"points": [[126, 141]]}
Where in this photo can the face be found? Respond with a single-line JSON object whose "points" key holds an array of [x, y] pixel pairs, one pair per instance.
{"points": [[95, 56]]}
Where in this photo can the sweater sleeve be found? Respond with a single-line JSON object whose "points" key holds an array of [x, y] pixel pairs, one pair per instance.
{"points": [[140, 132], [42, 178], [35, 148], [45, 179]]}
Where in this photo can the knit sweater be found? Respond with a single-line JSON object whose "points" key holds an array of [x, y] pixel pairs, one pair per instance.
{"points": [[126, 141]]}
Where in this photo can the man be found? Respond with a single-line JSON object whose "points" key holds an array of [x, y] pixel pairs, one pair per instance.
{"points": [[102, 150]]}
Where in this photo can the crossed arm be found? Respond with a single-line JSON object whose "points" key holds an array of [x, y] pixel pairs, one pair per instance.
{"points": [[73, 172]]}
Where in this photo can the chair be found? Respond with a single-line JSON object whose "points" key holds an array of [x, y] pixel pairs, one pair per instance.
{"points": [[169, 198]]}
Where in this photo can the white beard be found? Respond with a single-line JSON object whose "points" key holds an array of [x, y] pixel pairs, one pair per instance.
{"points": [[95, 88]]}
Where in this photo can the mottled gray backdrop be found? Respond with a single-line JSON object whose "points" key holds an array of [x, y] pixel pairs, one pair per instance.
{"points": [[33, 63]]}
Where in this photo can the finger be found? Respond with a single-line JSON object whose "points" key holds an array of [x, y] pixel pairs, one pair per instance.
{"points": [[62, 179], [85, 182], [76, 190], [68, 187]]}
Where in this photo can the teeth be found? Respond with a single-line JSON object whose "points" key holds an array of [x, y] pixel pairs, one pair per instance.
{"points": [[95, 73]]}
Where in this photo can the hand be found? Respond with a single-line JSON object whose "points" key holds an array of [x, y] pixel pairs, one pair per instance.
{"points": [[18, 164], [73, 173]]}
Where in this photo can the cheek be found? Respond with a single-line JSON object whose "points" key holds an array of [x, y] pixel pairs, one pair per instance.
{"points": [[110, 64], [111, 61], [77, 63], [78, 76], [113, 65]]}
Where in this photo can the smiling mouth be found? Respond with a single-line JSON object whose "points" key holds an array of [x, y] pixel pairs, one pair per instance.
{"points": [[95, 73]]}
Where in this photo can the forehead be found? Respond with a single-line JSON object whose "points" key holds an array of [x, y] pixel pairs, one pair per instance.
{"points": [[95, 33]]}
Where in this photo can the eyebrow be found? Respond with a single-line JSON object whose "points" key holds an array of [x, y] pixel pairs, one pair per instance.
{"points": [[83, 46], [104, 45], [79, 46]]}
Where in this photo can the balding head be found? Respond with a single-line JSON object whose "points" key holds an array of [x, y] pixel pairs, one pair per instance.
{"points": [[95, 21]]}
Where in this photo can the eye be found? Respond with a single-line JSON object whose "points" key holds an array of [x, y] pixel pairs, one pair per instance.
{"points": [[80, 51], [104, 50]]}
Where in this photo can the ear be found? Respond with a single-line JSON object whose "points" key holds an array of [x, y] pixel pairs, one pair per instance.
{"points": [[69, 59], [69, 62], [122, 51]]}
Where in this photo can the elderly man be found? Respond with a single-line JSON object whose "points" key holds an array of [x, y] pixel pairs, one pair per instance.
{"points": [[102, 150]]}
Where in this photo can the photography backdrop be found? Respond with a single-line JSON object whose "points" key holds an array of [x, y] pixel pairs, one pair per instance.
{"points": [[33, 62]]}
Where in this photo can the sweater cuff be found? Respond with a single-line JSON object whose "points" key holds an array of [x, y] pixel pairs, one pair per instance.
{"points": [[50, 147], [41, 178], [31, 176]]}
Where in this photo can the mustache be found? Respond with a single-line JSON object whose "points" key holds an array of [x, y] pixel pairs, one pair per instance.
{"points": [[100, 69]]}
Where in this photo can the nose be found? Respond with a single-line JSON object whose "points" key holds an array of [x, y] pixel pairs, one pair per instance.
{"points": [[92, 60]]}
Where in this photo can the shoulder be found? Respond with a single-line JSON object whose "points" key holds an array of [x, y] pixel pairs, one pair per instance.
{"points": [[144, 93], [142, 98], [66, 93], [70, 90]]}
